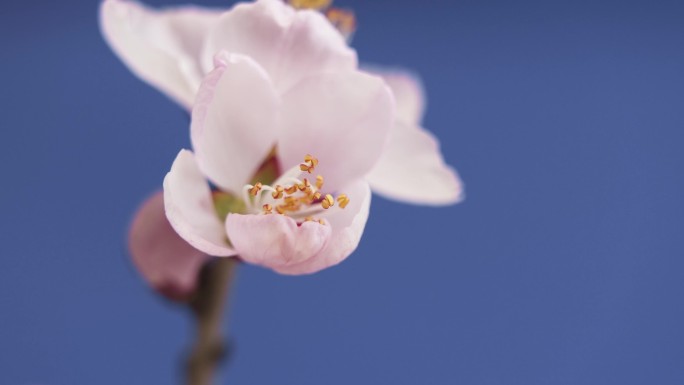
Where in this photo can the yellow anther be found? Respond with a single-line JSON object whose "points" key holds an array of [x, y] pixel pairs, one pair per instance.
{"points": [[291, 190], [306, 168], [278, 193], [309, 164], [304, 185], [342, 19], [310, 4], [298, 199], [255, 189], [309, 192], [291, 204], [312, 160], [343, 200], [328, 201]]}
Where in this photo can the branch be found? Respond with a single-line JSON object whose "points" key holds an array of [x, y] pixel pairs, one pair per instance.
{"points": [[208, 307]]}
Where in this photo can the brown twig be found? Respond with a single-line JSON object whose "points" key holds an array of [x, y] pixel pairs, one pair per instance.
{"points": [[208, 307]]}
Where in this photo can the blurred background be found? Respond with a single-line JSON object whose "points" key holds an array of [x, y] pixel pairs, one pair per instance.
{"points": [[563, 266]]}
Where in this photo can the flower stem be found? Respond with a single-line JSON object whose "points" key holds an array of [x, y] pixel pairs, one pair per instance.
{"points": [[208, 307]]}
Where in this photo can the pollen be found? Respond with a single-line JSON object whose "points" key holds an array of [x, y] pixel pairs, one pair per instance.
{"points": [[278, 193], [309, 164], [255, 189], [328, 201], [342, 19], [305, 185], [311, 159], [291, 190], [342, 200], [310, 4], [300, 199]]}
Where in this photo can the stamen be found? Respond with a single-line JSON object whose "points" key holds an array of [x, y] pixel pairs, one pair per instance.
{"points": [[255, 189], [343, 20], [309, 164], [245, 194], [310, 4], [278, 192], [308, 158], [305, 185], [291, 190], [312, 219], [328, 201], [342, 200], [298, 199], [291, 204]]}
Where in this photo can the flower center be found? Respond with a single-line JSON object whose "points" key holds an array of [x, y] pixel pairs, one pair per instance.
{"points": [[296, 198]]}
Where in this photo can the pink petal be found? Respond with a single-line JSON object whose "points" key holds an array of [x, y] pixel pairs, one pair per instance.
{"points": [[289, 44], [274, 240], [412, 169], [161, 47], [190, 209], [347, 226], [167, 262], [342, 118], [408, 92], [234, 121]]}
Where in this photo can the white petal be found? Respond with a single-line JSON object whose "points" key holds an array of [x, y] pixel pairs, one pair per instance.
{"points": [[234, 121], [347, 226], [408, 92], [342, 118], [275, 240], [161, 47], [190, 209], [289, 44], [412, 169]]}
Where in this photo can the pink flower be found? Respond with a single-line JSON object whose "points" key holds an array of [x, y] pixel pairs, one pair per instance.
{"points": [[284, 84], [296, 225], [173, 49]]}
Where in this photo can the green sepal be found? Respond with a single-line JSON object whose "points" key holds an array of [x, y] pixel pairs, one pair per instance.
{"points": [[225, 203]]}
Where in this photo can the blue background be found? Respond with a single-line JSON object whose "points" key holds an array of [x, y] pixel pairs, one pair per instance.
{"points": [[563, 266]]}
